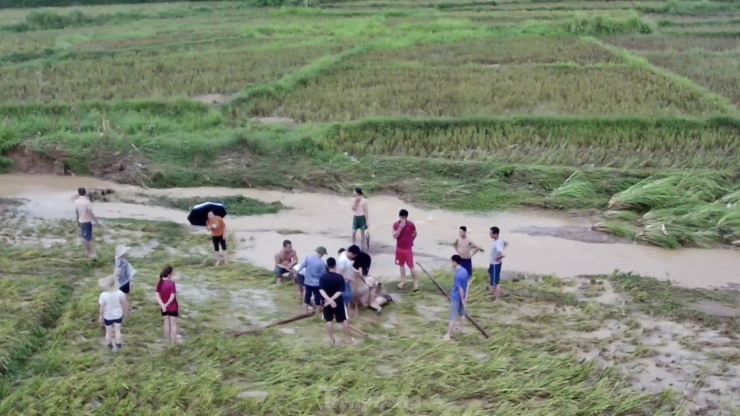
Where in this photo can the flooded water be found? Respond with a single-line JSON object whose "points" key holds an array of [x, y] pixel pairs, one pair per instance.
{"points": [[326, 219]]}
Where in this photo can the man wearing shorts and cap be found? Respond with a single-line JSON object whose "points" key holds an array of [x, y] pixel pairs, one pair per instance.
{"points": [[315, 268]]}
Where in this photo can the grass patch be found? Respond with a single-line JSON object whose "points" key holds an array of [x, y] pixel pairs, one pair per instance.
{"points": [[235, 205]]}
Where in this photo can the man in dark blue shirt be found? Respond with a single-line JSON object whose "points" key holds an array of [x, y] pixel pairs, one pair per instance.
{"points": [[459, 295]]}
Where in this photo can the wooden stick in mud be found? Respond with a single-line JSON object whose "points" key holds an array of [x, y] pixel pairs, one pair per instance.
{"points": [[482, 331], [357, 330], [278, 323]]}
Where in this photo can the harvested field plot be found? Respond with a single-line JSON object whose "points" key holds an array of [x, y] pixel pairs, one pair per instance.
{"points": [[128, 76], [497, 52], [355, 93], [717, 72], [613, 143]]}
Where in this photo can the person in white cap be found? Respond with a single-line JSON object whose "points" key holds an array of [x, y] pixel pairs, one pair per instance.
{"points": [[123, 270], [113, 307]]}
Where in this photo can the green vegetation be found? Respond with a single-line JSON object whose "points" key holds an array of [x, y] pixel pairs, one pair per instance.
{"points": [[62, 364], [235, 205]]}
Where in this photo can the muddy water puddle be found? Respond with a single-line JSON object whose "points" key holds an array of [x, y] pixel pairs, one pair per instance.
{"points": [[319, 219]]}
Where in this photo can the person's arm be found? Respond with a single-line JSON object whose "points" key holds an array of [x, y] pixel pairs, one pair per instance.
{"points": [[414, 234], [92, 214], [77, 216], [126, 306], [293, 259], [367, 214], [501, 254], [462, 295], [277, 261], [101, 310], [475, 248], [397, 228], [159, 300], [169, 301]]}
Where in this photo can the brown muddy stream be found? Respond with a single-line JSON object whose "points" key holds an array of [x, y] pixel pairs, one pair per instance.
{"points": [[318, 219]]}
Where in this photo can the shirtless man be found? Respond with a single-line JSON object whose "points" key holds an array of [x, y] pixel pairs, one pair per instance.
{"points": [[466, 249], [361, 217], [285, 259], [85, 219]]}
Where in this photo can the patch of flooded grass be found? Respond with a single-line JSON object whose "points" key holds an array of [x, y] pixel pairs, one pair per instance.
{"points": [[235, 205]]}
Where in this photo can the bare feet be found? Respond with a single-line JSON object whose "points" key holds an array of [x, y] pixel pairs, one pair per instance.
{"points": [[218, 263], [447, 337]]}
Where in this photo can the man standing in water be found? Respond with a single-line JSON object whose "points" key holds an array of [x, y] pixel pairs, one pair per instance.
{"points": [[361, 217], [285, 259], [404, 231], [459, 296], [497, 255], [466, 249], [217, 227], [331, 287], [85, 219]]}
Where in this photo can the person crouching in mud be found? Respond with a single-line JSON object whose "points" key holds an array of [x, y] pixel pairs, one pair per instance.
{"points": [[370, 293]]}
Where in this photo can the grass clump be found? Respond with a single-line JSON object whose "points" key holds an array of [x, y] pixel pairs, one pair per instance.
{"points": [[680, 210], [235, 205], [606, 25]]}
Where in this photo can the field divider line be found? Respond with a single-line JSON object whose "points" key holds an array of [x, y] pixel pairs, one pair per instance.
{"points": [[638, 61]]}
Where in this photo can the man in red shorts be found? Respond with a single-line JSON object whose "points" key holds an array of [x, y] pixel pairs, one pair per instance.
{"points": [[404, 231]]}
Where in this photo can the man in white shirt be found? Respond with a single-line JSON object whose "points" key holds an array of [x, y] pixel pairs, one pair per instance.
{"points": [[344, 267], [85, 219], [497, 255]]}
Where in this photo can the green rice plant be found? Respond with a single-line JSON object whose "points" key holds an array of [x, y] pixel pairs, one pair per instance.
{"points": [[670, 191], [617, 228], [617, 142], [665, 43], [623, 216], [606, 25]]}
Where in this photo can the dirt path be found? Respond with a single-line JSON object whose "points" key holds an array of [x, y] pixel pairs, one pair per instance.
{"points": [[317, 219]]}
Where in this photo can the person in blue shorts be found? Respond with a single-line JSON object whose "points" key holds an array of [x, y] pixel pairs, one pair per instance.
{"points": [[497, 256], [459, 295]]}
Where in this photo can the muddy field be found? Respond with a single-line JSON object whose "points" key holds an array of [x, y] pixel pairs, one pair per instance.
{"points": [[675, 350]]}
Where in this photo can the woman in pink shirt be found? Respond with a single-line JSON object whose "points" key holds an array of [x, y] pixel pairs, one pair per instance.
{"points": [[167, 298]]}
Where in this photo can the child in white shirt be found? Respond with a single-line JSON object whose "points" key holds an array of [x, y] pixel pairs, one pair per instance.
{"points": [[113, 307]]}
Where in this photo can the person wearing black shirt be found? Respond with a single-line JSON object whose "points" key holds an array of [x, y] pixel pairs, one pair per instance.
{"points": [[331, 286], [361, 260]]}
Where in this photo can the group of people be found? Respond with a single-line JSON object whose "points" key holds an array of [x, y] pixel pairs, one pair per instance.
{"points": [[337, 287], [114, 301]]}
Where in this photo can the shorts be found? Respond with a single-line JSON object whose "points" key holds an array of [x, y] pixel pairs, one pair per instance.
{"points": [[126, 288], [405, 257], [111, 322], [86, 231], [338, 314], [494, 274], [279, 271], [347, 294], [219, 241], [175, 314], [359, 222], [457, 310], [467, 264], [316, 296]]}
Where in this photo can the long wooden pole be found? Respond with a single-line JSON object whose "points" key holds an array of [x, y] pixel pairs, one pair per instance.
{"points": [[444, 292], [274, 324]]}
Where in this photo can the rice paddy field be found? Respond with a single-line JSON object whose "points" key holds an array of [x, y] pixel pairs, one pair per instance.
{"points": [[623, 111]]}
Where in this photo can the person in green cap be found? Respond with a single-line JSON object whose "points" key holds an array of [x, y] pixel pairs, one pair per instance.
{"points": [[314, 267]]}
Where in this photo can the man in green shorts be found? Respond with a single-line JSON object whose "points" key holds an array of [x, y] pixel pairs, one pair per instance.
{"points": [[361, 216]]}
